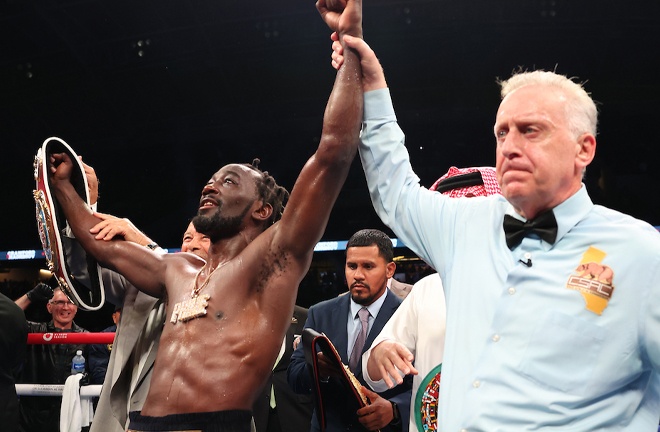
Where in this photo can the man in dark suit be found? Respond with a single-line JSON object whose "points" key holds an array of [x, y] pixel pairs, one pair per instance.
{"points": [[99, 354], [279, 408], [13, 342], [369, 265]]}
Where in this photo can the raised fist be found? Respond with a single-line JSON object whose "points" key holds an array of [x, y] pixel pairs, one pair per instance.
{"points": [[41, 292], [342, 16], [335, 5]]}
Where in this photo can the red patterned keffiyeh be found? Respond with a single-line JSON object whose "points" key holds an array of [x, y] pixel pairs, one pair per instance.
{"points": [[468, 182]]}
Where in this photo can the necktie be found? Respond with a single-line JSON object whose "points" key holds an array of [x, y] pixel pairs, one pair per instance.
{"points": [[363, 314], [544, 225]]}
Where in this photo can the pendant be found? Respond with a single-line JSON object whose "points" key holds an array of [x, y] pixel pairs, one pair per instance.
{"points": [[190, 309]]}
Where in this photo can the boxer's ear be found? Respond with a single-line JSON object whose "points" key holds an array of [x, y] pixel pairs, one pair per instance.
{"points": [[263, 212]]}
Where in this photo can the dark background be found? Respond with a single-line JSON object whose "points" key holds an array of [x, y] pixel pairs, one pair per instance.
{"points": [[157, 95]]}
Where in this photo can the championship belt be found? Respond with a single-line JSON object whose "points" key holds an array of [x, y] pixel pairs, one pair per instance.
{"points": [[427, 401], [52, 225], [346, 392]]}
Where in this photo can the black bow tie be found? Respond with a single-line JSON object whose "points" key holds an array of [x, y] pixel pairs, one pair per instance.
{"points": [[544, 225]]}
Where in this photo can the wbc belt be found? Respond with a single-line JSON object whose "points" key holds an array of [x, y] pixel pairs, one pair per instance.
{"points": [[77, 273]]}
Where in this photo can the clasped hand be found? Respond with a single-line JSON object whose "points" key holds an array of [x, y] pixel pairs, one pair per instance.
{"points": [[342, 16], [377, 414]]}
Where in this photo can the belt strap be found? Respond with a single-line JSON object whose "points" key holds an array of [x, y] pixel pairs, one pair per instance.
{"points": [[315, 343]]}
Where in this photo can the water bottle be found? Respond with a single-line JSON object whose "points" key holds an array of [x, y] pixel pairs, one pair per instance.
{"points": [[78, 363]]}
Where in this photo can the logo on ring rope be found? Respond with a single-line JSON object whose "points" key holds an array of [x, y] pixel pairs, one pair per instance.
{"points": [[50, 336]]}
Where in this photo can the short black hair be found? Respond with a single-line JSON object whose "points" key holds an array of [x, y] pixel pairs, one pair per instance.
{"points": [[370, 237], [270, 192]]}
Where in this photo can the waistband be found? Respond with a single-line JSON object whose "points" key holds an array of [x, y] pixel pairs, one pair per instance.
{"points": [[218, 421]]}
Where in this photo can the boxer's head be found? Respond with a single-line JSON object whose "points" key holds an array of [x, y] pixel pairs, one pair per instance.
{"points": [[238, 197]]}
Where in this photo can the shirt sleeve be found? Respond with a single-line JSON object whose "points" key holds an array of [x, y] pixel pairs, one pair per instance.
{"points": [[410, 210], [650, 323]]}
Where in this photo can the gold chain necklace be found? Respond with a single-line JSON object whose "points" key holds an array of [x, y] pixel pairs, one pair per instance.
{"points": [[186, 310], [195, 290]]}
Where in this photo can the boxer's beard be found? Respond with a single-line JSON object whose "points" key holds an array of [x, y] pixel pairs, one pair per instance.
{"points": [[216, 226]]}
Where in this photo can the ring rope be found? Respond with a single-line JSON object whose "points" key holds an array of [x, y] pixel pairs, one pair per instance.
{"points": [[70, 338], [92, 390]]}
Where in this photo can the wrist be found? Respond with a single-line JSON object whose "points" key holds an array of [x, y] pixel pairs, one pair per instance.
{"points": [[373, 85], [353, 33], [396, 415], [152, 245]]}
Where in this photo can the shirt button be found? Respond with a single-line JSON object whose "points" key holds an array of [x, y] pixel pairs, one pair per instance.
{"points": [[512, 291], [496, 338], [476, 383], [528, 255]]}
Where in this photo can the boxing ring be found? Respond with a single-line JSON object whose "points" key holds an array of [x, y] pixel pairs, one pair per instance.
{"points": [[86, 391]]}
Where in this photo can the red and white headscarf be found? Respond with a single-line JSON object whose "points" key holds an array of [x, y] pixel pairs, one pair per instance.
{"points": [[462, 182]]}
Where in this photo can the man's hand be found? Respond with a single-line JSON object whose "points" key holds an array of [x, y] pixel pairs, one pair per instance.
{"points": [[92, 182], [42, 292], [378, 414], [342, 16], [327, 368], [111, 227], [387, 359], [373, 77], [296, 341]]}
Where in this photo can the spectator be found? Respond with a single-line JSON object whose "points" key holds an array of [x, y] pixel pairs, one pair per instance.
{"points": [[369, 264], [99, 354], [48, 364]]}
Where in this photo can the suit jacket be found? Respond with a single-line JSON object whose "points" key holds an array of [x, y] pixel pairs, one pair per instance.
{"points": [[99, 357], [400, 289], [294, 410], [137, 338], [138, 335], [330, 317], [13, 342]]}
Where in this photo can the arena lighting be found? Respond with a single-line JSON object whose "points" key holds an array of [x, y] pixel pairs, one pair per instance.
{"points": [[323, 246], [38, 254], [45, 275], [140, 47], [25, 69]]}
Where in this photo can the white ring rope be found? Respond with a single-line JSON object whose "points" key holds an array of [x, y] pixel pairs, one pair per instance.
{"points": [[92, 390]]}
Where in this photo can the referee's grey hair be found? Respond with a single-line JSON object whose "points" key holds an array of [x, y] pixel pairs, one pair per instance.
{"points": [[580, 109]]}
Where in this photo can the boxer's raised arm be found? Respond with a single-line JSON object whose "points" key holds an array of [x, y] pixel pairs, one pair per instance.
{"points": [[141, 266], [312, 197]]}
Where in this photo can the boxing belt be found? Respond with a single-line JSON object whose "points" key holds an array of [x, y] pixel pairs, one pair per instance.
{"points": [[346, 385], [426, 403], [51, 224]]}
